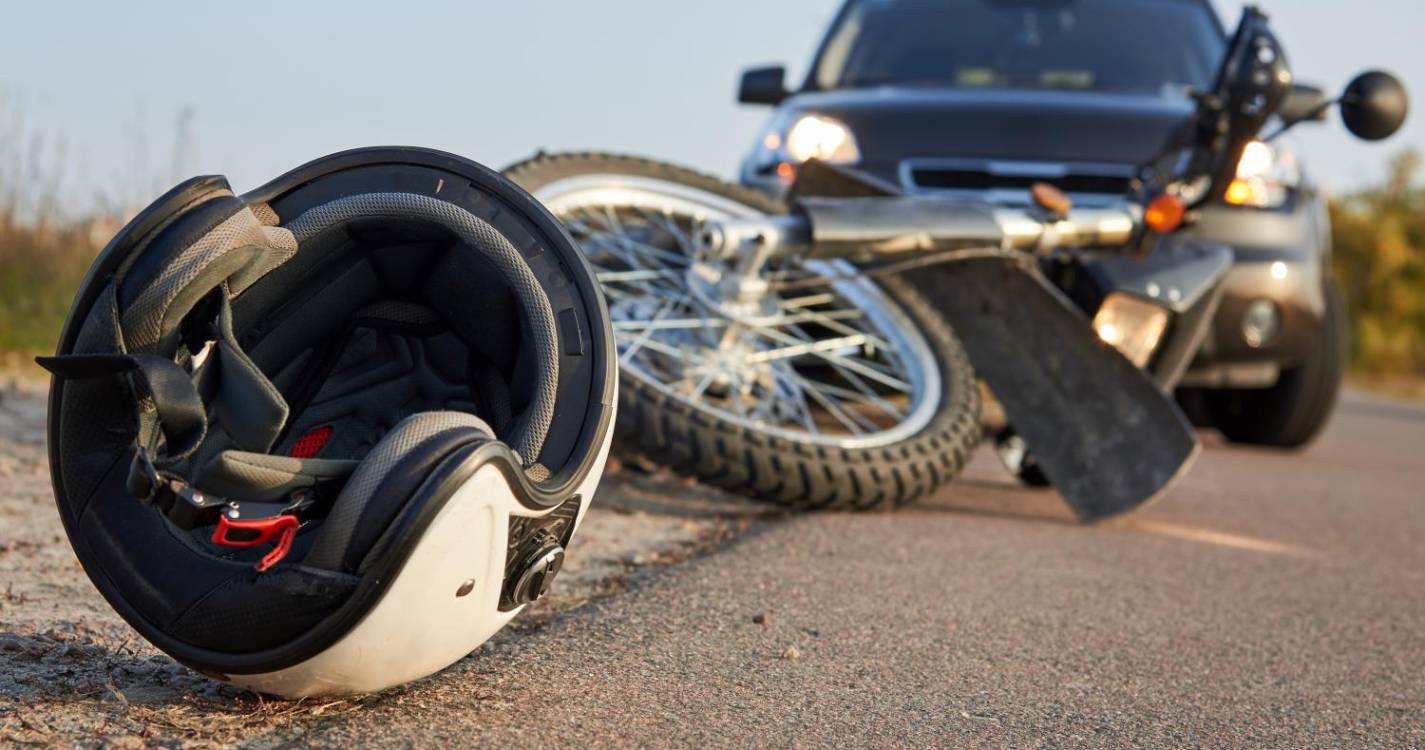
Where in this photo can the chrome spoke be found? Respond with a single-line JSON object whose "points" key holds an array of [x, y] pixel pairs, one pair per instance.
{"points": [[668, 225], [702, 386], [859, 367], [811, 347], [831, 319], [810, 300], [789, 379], [865, 389], [861, 398], [829, 363], [610, 277], [638, 325], [671, 351], [647, 336], [667, 325], [832, 407]]}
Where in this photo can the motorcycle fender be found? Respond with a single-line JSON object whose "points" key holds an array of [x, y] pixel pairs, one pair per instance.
{"points": [[1100, 428]]}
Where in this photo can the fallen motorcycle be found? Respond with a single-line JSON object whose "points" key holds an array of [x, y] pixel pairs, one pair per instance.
{"points": [[823, 352]]}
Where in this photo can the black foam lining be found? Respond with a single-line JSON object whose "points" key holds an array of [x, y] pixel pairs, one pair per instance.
{"points": [[372, 378]]}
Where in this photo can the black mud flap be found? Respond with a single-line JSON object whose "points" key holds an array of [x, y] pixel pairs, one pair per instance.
{"points": [[1100, 428]]}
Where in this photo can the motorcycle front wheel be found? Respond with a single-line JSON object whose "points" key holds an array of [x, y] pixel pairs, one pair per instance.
{"points": [[826, 390]]}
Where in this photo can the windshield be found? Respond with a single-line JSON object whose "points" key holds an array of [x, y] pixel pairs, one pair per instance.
{"points": [[1159, 46]]}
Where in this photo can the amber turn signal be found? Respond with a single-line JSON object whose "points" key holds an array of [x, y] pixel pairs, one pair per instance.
{"points": [[1051, 199], [1165, 213]]}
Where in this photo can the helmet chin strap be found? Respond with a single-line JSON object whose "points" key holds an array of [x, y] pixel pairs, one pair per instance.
{"points": [[173, 423], [168, 403]]}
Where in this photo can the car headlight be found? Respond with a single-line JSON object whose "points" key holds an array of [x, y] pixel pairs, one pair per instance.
{"points": [[818, 137], [1266, 176], [792, 139], [1132, 326]]}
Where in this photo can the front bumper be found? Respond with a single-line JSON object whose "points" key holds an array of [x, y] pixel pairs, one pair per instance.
{"points": [[1281, 258]]}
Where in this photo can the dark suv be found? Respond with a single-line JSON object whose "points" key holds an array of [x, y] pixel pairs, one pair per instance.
{"points": [[983, 98]]}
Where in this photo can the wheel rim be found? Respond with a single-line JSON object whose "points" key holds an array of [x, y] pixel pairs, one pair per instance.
{"points": [[834, 363]]}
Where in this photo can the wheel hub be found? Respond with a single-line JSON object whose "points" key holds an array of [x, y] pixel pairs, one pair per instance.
{"points": [[737, 297], [735, 374]]}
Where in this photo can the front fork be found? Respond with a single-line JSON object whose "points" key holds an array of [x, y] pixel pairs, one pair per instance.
{"points": [[1103, 431], [892, 233]]}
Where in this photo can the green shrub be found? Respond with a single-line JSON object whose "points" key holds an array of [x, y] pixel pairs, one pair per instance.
{"points": [[1379, 258]]}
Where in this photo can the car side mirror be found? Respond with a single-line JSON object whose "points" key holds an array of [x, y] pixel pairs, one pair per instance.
{"points": [[763, 85], [1374, 105], [1304, 103]]}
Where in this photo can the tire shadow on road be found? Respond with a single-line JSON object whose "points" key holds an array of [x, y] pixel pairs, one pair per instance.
{"points": [[1001, 499], [987, 489], [635, 486]]}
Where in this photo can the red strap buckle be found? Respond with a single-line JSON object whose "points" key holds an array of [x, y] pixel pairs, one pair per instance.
{"points": [[283, 528]]}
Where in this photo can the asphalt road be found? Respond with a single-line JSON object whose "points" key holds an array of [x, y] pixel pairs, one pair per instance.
{"points": [[1271, 600]]}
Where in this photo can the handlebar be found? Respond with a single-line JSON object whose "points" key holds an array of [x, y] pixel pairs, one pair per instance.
{"points": [[881, 227], [1101, 227]]}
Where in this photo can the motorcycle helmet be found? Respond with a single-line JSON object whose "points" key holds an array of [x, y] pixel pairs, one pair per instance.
{"points": [[330, 436]]}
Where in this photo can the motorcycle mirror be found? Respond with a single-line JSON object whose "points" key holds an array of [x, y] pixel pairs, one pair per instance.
{"points": [[763, 85], [1374, 105], [1304, 103]]}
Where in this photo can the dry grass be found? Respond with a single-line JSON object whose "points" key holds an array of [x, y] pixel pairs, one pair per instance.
{"points": [[40, 270], [53, 224]]}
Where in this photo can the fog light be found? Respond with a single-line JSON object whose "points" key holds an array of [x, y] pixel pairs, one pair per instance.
{"points": [[1131, 326], [1261, 323]]}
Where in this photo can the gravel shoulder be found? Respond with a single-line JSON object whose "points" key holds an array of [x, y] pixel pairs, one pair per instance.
{"points": [[72, 673]]}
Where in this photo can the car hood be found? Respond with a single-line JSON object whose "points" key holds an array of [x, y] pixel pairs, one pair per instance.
{"points": [[891, 124]]}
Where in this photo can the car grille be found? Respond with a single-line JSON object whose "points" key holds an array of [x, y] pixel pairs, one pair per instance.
{"points": [[1009, 181]]}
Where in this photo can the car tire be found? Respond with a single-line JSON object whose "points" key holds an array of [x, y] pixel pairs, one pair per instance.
{"points": [[1293, 412]]}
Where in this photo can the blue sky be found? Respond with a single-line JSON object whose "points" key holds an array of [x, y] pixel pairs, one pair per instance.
{"points": [[269, 85]]}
